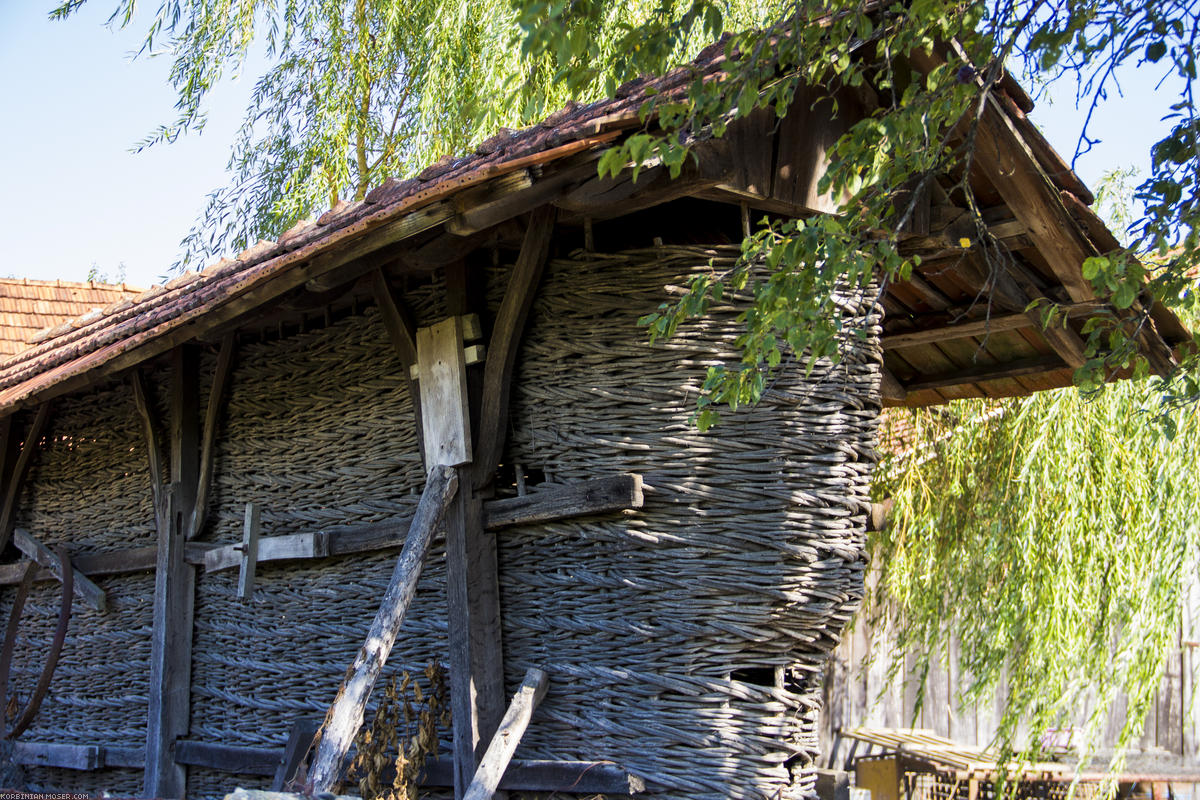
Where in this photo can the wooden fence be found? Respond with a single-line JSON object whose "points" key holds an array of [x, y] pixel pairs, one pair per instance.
{"points": [[857, 693]]}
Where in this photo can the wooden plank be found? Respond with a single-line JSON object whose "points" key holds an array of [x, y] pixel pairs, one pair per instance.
{"points": [[260, 794], [1029, 366], [752, 142], [216, 396], [806, 135], [87, 591], [84, 757], [505, 341], [983, 327], [346, 713], [227, 758], [20, 468], [299, 742], [278, 548], [113, 562], [445, 420], [249, 560], [598, 496], [508, 736], [174, 593]]}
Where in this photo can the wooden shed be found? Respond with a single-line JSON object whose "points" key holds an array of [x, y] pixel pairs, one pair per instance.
{"points": [[230, 462]]}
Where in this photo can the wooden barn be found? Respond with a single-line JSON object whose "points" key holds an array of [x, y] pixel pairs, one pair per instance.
{"points": [[230, 463]]}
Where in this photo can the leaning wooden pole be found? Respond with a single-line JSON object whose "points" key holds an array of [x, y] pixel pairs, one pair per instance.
{"points": [[345, 716], [508, 736]]}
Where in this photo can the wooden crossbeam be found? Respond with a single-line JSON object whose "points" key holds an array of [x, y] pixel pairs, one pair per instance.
{"points": [[1013, 369], [504, 743], [588, 498], [578, 777], [87, 591], [346, 713]]}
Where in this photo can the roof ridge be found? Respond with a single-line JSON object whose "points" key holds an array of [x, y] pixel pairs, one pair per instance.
{"points": [[63, 284]]}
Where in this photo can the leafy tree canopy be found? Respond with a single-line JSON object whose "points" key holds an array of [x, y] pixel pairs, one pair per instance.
{"points": [[361, 89]]}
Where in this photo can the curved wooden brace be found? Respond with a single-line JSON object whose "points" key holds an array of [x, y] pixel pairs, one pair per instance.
{"points": [[26, 717], [10, 636]]}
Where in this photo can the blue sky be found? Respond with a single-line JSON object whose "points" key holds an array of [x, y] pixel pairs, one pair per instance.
{"points": [[75, 102]]}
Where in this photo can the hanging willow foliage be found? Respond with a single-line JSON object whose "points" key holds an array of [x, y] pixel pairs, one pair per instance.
{"points": [[1055, 538]]}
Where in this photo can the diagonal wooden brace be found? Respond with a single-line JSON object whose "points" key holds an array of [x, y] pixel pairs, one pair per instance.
{"points": [[345, 716], [87, 591], [508, 736]]}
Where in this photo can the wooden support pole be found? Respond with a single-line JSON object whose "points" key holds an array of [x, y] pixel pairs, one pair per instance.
{"points": [[508, 736], [346, 714], [24, 459], [174, 593], [87, 591]]}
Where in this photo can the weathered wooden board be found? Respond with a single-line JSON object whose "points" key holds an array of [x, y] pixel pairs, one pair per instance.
{"points": [[249, 553], [87, 591], [504, 743], [227, 758], [277, 548], [597, 496], [445, 419]]}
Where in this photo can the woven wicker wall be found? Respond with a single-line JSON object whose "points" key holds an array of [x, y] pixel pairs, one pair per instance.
{"points": [[89, 487], [746, 555], [659, 628]]}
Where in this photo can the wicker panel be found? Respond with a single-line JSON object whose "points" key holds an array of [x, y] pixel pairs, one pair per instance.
{"points": [[660, 628], [89, 487], [319, 433]]}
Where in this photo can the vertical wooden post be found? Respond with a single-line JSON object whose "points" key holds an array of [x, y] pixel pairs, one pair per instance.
{"points": [[476, 659], [174, 593]]}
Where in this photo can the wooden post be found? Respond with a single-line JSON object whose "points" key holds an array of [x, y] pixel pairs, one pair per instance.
{"points": [[346, 714], [508, 736], [174, 593]]}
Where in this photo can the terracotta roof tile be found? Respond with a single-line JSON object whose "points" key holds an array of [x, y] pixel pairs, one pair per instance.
{"points": [[29, 307]]}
